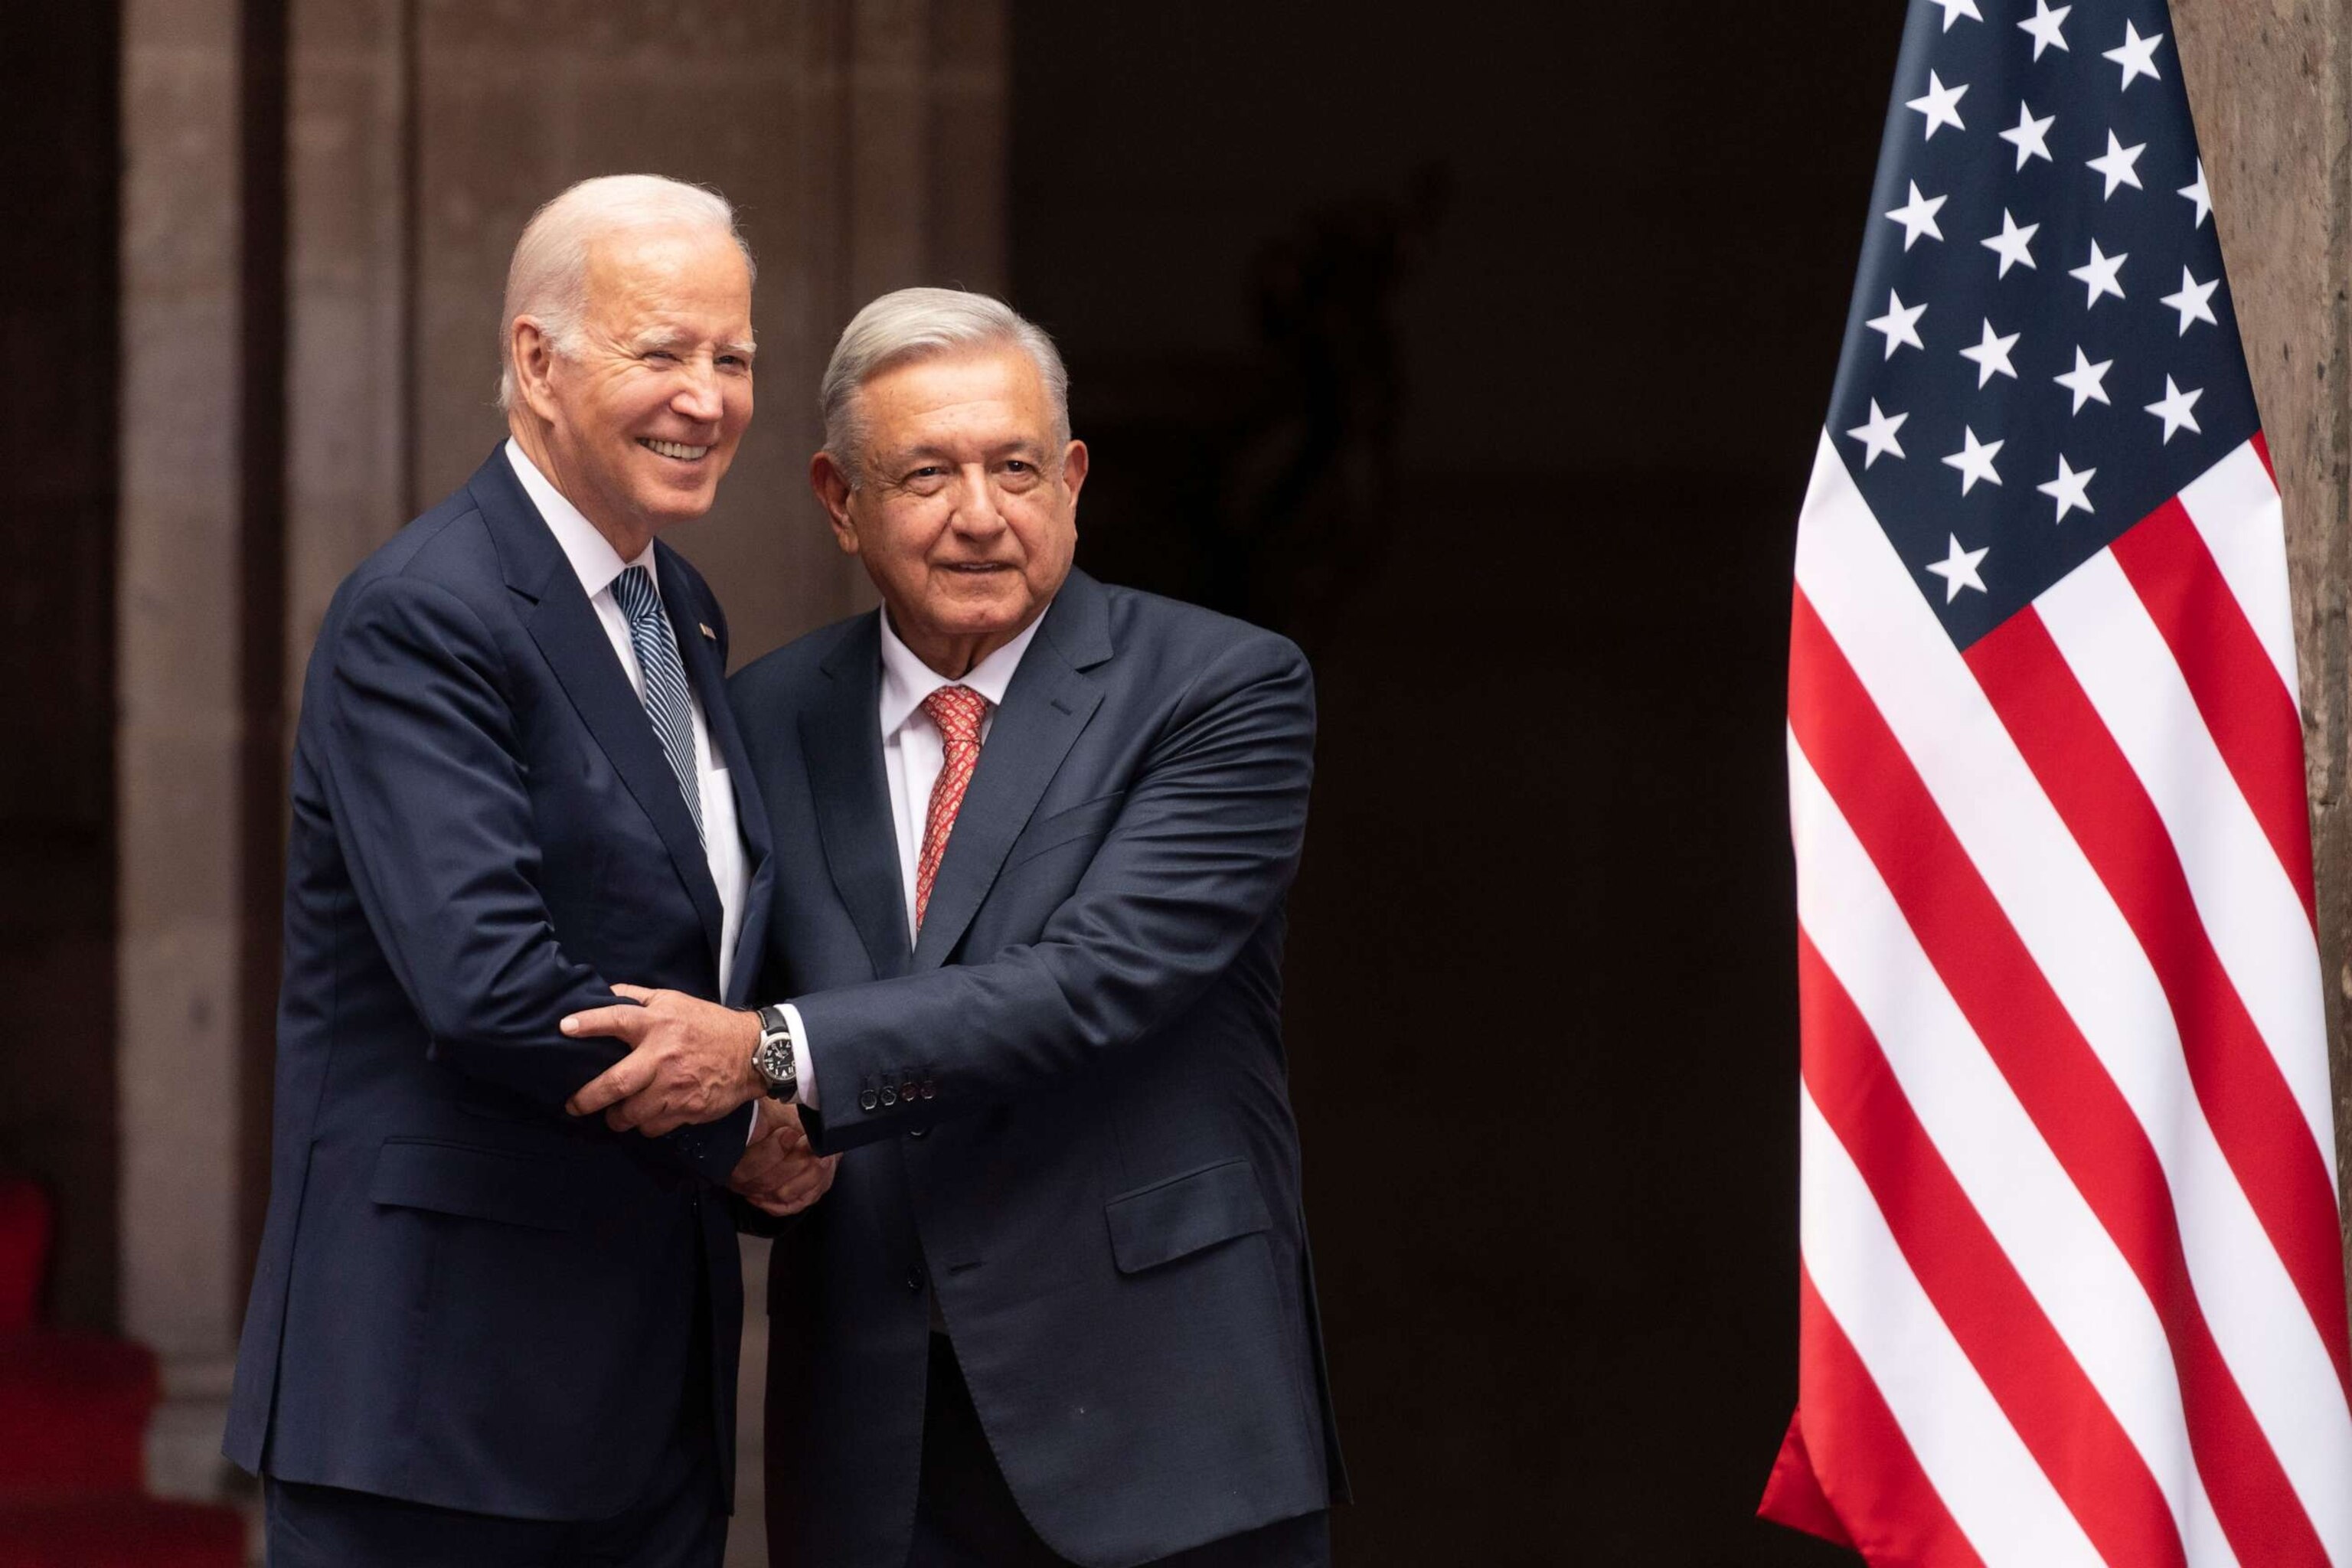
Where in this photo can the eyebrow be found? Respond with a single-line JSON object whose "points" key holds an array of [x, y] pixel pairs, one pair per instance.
{"points": [[663, 338], [1005, 449]]}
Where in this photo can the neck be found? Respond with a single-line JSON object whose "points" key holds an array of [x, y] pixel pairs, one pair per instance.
{"points": [[533, 434], [953, 657]]}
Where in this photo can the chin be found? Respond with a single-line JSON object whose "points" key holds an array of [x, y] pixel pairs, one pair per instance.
{"points": [[673, 503]]}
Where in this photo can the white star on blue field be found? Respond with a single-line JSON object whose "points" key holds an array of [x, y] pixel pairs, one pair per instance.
{"points": [[2042, 347]]}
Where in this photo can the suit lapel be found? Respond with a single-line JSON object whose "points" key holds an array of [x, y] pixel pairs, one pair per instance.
{"points": [[700, 655], [1045, 708], [564, 626], [841, 740]]}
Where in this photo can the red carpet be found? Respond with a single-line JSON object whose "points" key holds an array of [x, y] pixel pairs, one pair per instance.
{"points": [[73, 1420]]}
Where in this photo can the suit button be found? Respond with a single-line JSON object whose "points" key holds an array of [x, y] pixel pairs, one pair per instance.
{"points": [[890, 1094], [918, 1131], [908, 1090], [914, 1277], [867, 1099], [930, 1089]]}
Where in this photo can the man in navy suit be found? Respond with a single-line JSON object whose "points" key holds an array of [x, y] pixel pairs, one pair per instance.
{"points": [[1027, 970], [482, 1331]]}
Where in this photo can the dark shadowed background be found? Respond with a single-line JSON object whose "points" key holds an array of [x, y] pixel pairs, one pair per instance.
{"points": [[1482, 348]]}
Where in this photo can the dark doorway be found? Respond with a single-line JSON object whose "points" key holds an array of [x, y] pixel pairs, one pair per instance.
{"points": [[59, 146], [1484, 350]]}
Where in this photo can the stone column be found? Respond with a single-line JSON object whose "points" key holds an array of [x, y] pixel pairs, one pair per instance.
{"points": [[2271, 84], [349, 370], [178, 646]]}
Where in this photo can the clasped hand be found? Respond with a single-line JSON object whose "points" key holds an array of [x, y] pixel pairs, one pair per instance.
{"points": [[689, 1060], [779, 1173]]}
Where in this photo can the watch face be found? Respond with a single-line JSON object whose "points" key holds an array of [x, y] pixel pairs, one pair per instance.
{"points": [[775, 1060]]}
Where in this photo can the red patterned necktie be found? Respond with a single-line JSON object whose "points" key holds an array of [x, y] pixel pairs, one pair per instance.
{"points": [[956, 710]]}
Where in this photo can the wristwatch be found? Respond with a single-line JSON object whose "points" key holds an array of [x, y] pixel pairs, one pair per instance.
{"points": [[774, 1056]]}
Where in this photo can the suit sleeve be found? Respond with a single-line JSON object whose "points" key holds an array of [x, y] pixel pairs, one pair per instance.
{"points": [[433, 811], [1203, 850]]}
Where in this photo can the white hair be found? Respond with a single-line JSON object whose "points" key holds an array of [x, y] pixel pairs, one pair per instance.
{"points": [[548, 278], [919, 323]]}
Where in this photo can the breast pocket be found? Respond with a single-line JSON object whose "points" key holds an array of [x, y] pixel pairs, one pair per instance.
{"points": [[1085, 823]]}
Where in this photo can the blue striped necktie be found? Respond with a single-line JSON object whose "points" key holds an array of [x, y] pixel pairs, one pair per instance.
{"points": [[664, 679]]}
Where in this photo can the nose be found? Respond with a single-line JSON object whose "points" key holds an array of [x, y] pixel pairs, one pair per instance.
{"points": [[976, 514], [698, 396]]}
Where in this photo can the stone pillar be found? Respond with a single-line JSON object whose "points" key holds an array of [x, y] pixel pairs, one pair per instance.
{"points": [[2271, 84], [350, 371], [183, 1290]]}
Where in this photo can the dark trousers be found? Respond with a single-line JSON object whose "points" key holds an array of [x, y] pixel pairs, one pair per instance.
{"points": [[966, 1516]]}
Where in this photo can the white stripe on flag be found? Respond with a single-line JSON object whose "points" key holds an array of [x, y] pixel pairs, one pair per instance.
{"points": [[1997, 1494], [2012, 1180], [2236, 508], [2248, 907]]}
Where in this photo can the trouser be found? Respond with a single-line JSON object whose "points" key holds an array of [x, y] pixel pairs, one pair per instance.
{"points": [[966, 1516]]}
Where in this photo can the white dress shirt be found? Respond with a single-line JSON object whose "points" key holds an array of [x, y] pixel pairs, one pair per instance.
{"points": [[597, 563], [913, 752]]}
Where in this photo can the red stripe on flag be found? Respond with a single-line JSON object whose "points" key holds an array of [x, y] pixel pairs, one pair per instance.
{"points": [[2251, 713], [2261, 1131], [1793, 1495], [2026, 1366], [2057, 1078], [1891, 1509], [2263, 451]]}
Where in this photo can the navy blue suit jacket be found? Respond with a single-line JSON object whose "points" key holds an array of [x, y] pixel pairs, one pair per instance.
{"points": [[1065, 1108], [464, 1296]]}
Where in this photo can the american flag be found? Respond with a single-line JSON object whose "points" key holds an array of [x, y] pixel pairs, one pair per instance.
{"points": [[2072, 1286]]}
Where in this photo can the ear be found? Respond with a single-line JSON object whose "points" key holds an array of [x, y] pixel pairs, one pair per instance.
{"points": [[1074, 470], [534, 364], [830, 482]]}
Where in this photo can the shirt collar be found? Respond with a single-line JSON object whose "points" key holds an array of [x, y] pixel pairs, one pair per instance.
{"points": [[906, 680], [594, 559]]}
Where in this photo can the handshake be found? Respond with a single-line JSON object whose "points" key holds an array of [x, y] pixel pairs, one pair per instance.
{"points": [[690, 1061]]}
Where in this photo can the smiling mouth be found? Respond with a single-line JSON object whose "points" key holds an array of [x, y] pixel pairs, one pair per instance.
{"points": [[678, 450], [977, 568]]}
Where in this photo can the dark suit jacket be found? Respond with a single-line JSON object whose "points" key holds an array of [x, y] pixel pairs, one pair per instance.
{"points": [[464, 1296], [1066, 1109]]}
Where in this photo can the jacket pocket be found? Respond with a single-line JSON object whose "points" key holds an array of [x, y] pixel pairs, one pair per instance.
{"points": [[1168, 1220], [1059, 829], [479, 1184]]}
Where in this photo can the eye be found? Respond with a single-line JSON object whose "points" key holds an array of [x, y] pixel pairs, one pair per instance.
{"points": [[661, 356]]}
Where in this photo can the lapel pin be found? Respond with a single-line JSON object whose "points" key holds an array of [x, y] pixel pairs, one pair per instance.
{"points": [[705, 627]]}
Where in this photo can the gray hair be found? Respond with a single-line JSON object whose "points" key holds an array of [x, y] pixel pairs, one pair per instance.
{"points": [[548, 278], [919, 323]]}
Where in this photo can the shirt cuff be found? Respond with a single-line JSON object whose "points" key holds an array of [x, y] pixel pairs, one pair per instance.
{"points": [[803, 1063], [752, 1136]]}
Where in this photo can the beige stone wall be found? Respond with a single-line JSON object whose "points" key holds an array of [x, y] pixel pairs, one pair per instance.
{"points": [[180, 721], [2271, 84]]}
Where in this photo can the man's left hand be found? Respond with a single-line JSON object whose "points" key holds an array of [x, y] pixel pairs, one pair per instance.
{"points": [[689, 1060]]}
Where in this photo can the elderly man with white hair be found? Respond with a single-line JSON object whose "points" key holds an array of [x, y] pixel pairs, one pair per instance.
{"points": [[1027, 971], [483, 1330]]}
